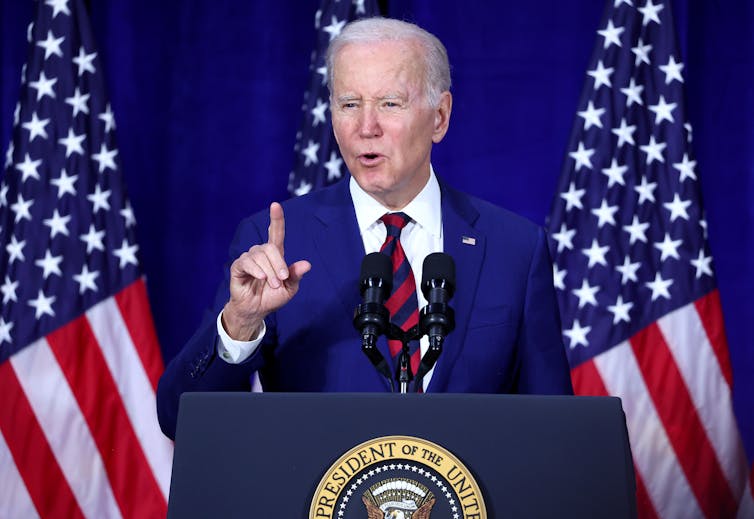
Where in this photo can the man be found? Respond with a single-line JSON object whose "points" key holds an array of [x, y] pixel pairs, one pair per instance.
{"points": [[291, 323]]}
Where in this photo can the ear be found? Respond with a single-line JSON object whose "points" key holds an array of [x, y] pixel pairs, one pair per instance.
{"points": [[442, 117]]}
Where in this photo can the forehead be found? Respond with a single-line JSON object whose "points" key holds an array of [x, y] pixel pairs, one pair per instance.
{"points": [[384, 63]]}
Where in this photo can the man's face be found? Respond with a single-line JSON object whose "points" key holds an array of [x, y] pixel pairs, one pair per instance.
{"points": [[382, 120]]}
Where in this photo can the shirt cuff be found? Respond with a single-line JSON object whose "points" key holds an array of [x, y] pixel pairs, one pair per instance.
{"points": [[233, 351]]}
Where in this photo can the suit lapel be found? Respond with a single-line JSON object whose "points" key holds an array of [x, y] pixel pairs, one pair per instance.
{"points": [[338, 242], [466, 245]]}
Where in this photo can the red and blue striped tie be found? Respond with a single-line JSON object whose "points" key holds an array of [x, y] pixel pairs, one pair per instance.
{"points": [[402, 303]]}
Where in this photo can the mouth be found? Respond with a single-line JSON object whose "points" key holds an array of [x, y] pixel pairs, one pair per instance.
{"points": [[369, 159]]}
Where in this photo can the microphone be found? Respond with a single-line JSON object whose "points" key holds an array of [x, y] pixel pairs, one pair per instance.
{"points": [[371, 318], [436, 319]]}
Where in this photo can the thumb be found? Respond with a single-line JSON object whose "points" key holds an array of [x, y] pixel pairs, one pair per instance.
{"points": [[296, 271]]}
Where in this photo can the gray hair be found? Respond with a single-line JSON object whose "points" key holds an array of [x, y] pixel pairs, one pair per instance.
{"points": [[373, 30]]}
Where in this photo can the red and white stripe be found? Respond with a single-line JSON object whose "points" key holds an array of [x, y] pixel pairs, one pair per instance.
{"points": [[674, 380], [78, 426]]}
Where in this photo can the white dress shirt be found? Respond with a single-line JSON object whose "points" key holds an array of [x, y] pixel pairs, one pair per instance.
{"points": [[419, 238]]}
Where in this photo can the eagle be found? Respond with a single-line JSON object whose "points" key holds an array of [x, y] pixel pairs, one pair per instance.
{"points": [[374, 512]]}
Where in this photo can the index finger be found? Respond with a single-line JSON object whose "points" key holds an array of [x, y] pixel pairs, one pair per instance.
{"points": [[276, 230]]}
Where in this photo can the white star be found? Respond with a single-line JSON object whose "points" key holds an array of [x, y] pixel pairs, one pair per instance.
{"points": [[72, 143], [577, 334], [15, 250], [322, 71], [663, 111], [637, 230], [9, 290], [611, 35], [619, 2], [49, 264], [558, 277], [625, 133], [57, 224], [333, 166], [127, 254], [84, 61], [28, 168], [78, 102], [672, 70], [646, 190], [605, 213], [596, 253], [9, 154], [689, 132], [303, 188], [42, 305], [334, 28], [318, 113], [678, 208], [659, 287], [620, 310], [99, 199], [3, 195], [51, 45], [93, 239], [653, 150], [105, 158], [310, 153], [642, 53], [615, 174], [573, 197], [564, 237], [702, 264], [601, 75], [633, 93], [64, 183], [108, 117], [668, 248], [591, 116], [58, 6], [17, 113], [686, 167], [628, 270], [36, 127], [128, 213], [650, 12], [21, 208], [582, 157], [43, 86], [5, 329]]}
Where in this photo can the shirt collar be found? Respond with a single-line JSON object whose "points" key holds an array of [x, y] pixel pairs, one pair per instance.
{"points": [[424, 209]]}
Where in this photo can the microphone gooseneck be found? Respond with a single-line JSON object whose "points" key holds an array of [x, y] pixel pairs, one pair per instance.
{"points": [[371, 318]]}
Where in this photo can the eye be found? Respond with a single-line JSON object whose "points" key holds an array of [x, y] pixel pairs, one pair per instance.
{"points": [[346, 105]]}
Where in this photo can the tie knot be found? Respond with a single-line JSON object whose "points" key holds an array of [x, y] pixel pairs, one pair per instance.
{"points": [[395, 222]]}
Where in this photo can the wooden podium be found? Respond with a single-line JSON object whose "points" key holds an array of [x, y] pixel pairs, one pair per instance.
{"points": [[264, 455]]}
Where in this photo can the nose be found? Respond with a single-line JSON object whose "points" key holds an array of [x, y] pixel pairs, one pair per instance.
{"points": [[369, 123]]}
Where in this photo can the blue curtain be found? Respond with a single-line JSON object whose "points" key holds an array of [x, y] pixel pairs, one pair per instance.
{"points": [[207, 99]]}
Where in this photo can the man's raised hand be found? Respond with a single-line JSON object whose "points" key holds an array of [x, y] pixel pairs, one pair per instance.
{"points": [[261, 281]]}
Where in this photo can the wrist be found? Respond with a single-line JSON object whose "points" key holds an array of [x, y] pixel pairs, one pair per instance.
{"points": [[239, 328]]}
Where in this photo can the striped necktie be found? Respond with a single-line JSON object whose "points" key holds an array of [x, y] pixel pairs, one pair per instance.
{"points": [[402, 303]]}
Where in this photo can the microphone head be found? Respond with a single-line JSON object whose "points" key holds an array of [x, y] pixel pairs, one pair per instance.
{"points": [[377, 266], [439, 269]]}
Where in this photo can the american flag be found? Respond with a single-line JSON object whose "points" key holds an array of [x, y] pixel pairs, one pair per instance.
{"points": [[640, 309], [318, 162], [79, 359]]}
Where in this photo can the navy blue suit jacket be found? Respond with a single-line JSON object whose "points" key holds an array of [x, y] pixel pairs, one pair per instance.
{"points": [[507, 337]]}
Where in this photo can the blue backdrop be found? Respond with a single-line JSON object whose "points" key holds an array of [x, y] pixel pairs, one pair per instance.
{"points": [[207, 94]]}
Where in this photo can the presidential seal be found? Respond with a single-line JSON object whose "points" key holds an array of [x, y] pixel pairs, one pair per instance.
{"points": [[397, 477]]}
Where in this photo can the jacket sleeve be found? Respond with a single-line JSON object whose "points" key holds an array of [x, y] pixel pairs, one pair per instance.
{"points": [[544, 367]]}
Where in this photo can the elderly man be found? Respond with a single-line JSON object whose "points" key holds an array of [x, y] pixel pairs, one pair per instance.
{"points": [[291, 323]]}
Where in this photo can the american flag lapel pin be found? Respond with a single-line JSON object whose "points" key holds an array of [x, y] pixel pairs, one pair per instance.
{"points": [[468, 240]]}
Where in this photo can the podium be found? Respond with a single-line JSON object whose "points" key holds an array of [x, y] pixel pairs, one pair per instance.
{"points": [[267, 455]]}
